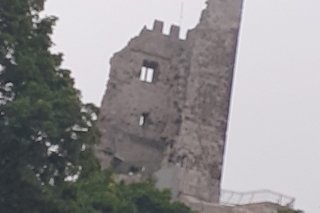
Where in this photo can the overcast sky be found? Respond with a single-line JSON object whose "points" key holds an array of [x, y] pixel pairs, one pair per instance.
{"points": [[274, 129]]}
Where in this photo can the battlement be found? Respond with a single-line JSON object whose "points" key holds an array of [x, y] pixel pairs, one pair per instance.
{"points": [[158, 27]]}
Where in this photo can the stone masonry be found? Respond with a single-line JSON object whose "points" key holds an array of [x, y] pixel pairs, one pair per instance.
{"points": [[165, 111]]}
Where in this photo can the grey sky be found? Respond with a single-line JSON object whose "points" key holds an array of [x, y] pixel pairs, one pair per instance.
{"points": [[274, 126]]}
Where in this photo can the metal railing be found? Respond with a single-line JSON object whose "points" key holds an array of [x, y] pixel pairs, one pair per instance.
{"points": [[228, 197]]}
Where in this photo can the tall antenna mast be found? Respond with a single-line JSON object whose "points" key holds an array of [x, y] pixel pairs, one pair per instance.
{"points": [[181, 13]]}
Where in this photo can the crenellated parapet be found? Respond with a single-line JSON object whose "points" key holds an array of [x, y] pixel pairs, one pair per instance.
{"points": [[158, 29]]}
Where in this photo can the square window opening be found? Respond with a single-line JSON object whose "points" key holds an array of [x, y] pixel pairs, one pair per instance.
{"points": [[148, 70]]}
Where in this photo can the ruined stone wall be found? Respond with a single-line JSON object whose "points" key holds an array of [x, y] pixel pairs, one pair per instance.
{"points": [[198, 153], [182, 139], [125, 144]]}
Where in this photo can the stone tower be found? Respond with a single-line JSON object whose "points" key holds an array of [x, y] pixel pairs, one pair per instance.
{"points": [[165, 111]]}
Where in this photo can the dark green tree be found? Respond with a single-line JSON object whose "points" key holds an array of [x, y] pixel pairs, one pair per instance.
{"points": [[45, 130], [98, 193], [144, 198], [46, 133]]}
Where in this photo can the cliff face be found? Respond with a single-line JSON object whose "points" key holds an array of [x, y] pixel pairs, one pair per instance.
{"points": [[165, 111]]}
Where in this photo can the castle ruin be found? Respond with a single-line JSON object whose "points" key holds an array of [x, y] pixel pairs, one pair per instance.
{"points": [[165, 111]]}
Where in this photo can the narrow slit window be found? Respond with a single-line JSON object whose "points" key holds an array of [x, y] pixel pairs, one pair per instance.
{"points": [[148, 70], [142, 119]]}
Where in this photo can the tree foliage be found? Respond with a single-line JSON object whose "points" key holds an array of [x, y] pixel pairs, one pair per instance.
{"points": [[44, 127], [100, 194], [46, 132]]}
